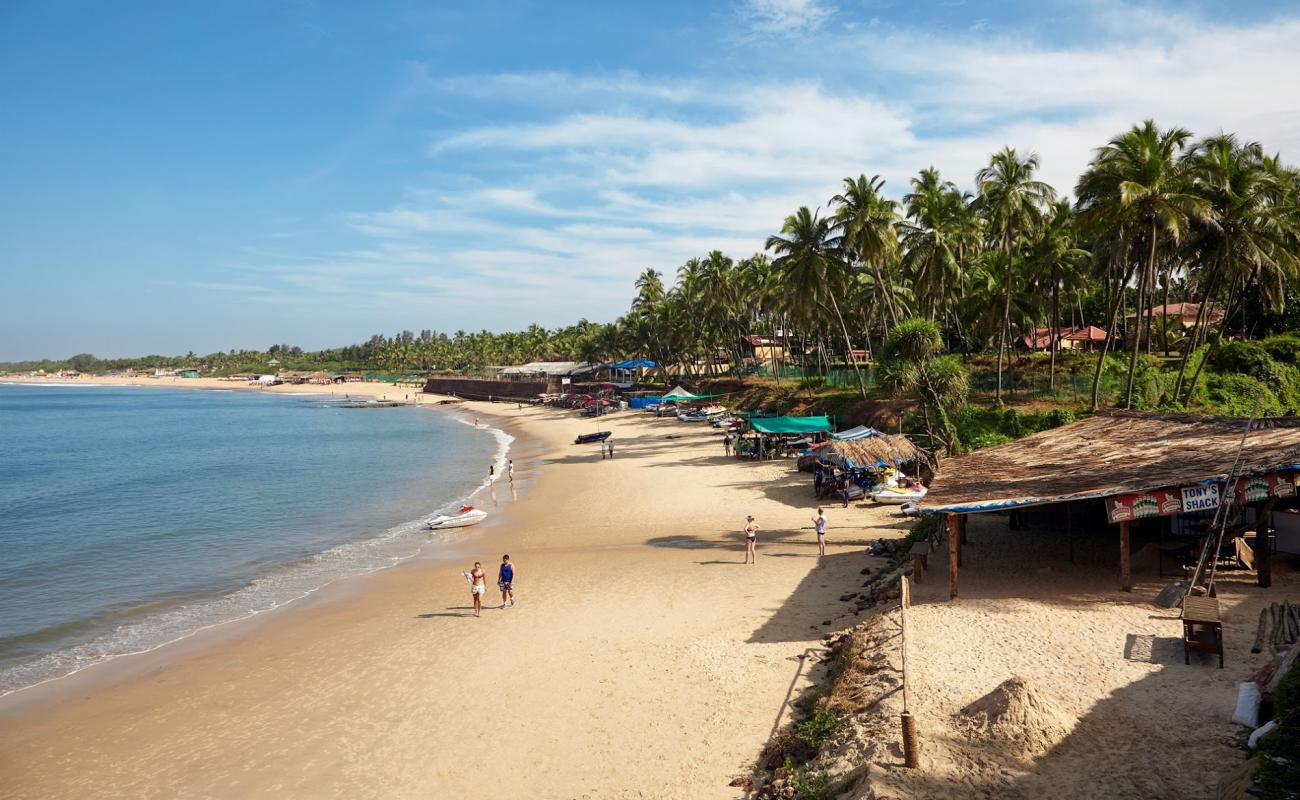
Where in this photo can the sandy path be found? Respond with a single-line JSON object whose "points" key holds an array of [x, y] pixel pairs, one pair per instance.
{"points": [[626, 670]]}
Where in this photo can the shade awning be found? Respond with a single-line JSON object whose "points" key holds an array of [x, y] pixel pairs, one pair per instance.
{"points": [[1112, 453], [791, 424], [860, 432], [635, 363]]}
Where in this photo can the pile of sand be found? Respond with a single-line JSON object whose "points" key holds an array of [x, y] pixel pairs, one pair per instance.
{"points": [[1016, 715]]}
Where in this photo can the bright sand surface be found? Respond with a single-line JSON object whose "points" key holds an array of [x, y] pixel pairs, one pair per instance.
{"points": [[643, 659]]}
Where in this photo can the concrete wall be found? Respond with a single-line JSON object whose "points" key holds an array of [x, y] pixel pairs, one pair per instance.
{"points": [[481, 389]]}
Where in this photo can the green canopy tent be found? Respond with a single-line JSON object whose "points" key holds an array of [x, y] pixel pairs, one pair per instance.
{"points": [[790, 425]]}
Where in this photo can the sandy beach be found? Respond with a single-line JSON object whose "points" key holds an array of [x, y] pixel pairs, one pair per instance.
{"points": [[643, 659]]}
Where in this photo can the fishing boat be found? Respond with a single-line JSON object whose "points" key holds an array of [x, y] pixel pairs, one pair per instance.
{"points": [[588, 438], [468, 515]]}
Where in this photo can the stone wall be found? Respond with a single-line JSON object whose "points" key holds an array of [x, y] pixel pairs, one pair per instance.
{"points": [[482, 389]]}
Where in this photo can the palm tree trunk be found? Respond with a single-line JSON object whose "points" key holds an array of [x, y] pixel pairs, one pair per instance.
{"points": [[1199, 330], [1006, 316], [1055, 329], [1143, 288], [862, 386], [1115, 302], [1228, 309]]}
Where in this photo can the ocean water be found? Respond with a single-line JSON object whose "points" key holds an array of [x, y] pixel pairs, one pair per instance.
{"points": [[132, 517]]}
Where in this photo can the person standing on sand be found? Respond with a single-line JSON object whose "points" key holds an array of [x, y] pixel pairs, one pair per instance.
{"points": [[610, 443], [819, 525], [477, 586], [726, 444], [505, 579], [510, 470], [492, 472], [751, 536]]}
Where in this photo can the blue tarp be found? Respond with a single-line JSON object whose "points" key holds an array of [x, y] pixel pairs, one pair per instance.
{"points": [[642, 402], [636, 363]]}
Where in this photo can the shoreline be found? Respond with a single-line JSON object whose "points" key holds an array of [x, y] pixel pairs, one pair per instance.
{"points": [[218, 628], [638, 638]]}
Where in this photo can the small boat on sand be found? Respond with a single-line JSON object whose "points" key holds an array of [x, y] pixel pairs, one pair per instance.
{"points": [[588, 438], [468, 515], [897, 495]]}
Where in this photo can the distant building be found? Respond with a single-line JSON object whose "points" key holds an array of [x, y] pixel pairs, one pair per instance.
{"points": [[187, 373], [1040, 341], [1187, 312]]}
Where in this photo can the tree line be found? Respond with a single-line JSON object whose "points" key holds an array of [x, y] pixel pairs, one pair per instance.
{"points": [[1158, 216]]}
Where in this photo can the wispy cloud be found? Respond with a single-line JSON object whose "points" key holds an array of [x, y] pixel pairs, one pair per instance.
{"points": [[615, 172], [785, 16]]}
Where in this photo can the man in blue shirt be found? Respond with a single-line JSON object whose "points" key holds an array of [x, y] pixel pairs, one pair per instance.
{"points": [[505, 577]]}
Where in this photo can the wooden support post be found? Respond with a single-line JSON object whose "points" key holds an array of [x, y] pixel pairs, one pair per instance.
{"points": [[954, 553], [1264, 547], [1125, 578]]}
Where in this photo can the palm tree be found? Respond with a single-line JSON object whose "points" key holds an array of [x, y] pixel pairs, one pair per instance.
{"points": [[1057, 262], [810, 258], [1137, 183], [866, 221], [930, 236], [1253, 233], [911, 363], [1012, 202]]}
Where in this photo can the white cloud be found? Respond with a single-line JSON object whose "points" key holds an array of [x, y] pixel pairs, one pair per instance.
{"points": [[785, 16], [624, 171]]}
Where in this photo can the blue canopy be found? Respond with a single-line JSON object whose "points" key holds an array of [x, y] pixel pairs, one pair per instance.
{"points": [[635, 363]]}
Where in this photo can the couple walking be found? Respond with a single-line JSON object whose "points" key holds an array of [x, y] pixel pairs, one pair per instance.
{"points": [[751, 536], [478, 584]]}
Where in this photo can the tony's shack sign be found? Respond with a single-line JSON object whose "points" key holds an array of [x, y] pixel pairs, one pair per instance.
{"points": [[1203, 497]]}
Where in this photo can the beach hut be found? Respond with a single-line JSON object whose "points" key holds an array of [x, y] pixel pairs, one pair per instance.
{"points": [[1138, 467]]}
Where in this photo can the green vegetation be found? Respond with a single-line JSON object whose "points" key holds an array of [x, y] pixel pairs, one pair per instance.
{"points": [[1278, 775], [814, 732], [1211, 226]]}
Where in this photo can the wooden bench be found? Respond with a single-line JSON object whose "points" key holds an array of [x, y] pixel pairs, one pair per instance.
{"points": [[1202, 628], [920, 559]]}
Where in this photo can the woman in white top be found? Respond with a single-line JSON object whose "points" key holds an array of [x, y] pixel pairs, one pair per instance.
{"points": [[819, 524]]}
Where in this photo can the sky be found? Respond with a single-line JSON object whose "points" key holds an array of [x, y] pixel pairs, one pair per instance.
{"points": [[205, 176]]}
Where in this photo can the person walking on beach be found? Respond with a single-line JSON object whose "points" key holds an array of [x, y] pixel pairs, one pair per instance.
{"points": [[751, 536], [610, 444], [492, 472], [726, 444], [510, 470], [505, 579], [477, 586], [819, 525], [819, 477]]}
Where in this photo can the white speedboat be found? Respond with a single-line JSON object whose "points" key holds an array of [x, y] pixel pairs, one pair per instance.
{"points": [[896, 495], [468, 515]]}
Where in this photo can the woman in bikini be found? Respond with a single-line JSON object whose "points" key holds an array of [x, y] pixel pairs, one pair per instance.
{"points": [[751, 536], [477, 586]]}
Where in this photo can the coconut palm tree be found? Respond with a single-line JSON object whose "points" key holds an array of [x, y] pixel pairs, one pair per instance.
{"points": [[912, 363], [931, 239], [1012, 202], [866, 220], [1056, 262], [811, 261], [1253, 231]]}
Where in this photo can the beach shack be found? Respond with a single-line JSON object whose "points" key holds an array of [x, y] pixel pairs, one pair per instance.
{"points": [[1157, 474]]}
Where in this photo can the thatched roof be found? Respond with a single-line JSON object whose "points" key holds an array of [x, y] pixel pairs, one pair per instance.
{"points": [[1109, 453], [874, 449]]}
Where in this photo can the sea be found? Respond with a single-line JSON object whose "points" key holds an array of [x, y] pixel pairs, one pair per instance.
{"points": [[131, 517]]}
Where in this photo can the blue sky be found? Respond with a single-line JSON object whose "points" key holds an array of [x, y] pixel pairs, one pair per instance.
{"points": [[184, 176]]}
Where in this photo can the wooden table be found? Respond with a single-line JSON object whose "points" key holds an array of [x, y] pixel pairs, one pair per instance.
{"points": [[1202, 628]]}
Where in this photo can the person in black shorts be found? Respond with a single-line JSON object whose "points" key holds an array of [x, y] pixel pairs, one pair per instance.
{"points": [[505, 581]]}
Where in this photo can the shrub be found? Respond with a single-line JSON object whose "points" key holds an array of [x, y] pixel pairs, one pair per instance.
{"points": [[1235, 395], [1059, 416], [1284, 349], [988, 440], [807, 785], [816, 731], [1245, 358]]}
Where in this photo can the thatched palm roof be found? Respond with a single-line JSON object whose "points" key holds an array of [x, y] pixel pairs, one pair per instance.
{"points": [[874, 449], [1109, 453]]}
